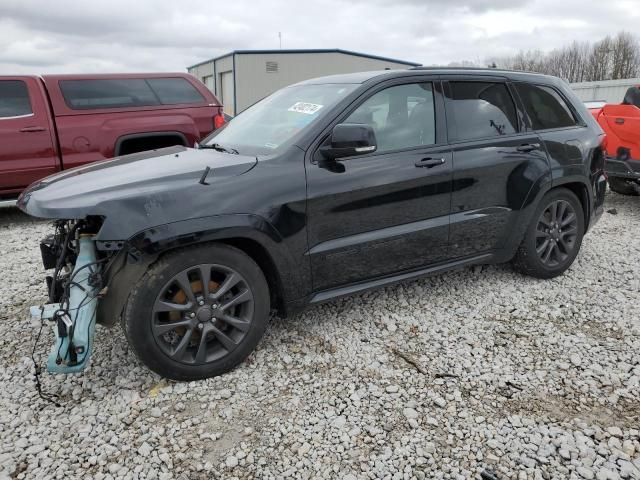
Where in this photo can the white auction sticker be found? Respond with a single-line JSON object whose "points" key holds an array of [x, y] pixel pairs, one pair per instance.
{"points": [[303, 107]]}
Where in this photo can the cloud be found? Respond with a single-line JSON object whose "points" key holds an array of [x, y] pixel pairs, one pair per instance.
{"points": [[43, 36], [449, 6]]}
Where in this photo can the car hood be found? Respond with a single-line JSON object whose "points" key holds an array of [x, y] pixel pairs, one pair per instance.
{"points": [[142, 184]]}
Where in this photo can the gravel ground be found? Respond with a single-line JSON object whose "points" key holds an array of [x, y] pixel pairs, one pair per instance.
{"points": [[480, 370]]}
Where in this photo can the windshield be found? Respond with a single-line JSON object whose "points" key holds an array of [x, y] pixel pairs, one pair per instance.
{"points": [[275, 120]]}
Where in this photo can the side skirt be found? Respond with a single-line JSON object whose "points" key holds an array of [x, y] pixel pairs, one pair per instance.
{"points": [[343, 291]]}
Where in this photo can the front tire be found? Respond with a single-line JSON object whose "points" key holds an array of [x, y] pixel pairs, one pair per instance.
{"points": [[553, 239], [624, 186], [198, 312]]}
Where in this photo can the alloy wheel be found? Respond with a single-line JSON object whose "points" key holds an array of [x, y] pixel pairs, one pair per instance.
{"points": [[556, 233], [202, 314]]}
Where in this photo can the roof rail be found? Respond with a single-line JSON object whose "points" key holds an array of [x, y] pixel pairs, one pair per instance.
{"points": [[479, 69]]}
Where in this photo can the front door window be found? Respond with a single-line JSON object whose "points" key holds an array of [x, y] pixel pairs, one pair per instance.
{"points": [[402, 116]]}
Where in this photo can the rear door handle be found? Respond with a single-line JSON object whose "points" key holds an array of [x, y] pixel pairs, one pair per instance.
{"points": [[429, 162], [528, 147], [620, 121], [32, 129]]}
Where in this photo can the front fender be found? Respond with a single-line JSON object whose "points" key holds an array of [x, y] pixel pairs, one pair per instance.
{"points": [[145, 247]]}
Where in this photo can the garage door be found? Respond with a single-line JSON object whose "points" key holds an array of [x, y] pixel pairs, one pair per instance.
{"points": [[208, 81], [226, 97]]}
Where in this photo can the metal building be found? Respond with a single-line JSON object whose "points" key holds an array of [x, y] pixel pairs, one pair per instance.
{"points": [[242, 77], [609, 91]]}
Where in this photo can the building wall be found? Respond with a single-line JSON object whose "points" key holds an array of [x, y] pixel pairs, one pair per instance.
{"points": [[211, 74], [224, 67], [253, 82], [610, 91], [203, 72]]}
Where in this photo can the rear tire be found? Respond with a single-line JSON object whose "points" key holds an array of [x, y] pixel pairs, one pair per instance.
{"points": [[553, 239], [184, 327], [624, 186]]}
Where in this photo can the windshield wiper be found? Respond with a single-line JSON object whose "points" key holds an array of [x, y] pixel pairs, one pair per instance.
{"points": [[219, 148]]}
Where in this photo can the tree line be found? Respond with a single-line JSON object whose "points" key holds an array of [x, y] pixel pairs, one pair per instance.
{"points": [[612, 58]]}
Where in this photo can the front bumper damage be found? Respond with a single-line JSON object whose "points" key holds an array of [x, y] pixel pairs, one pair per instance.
{"points": [[73, 316]]}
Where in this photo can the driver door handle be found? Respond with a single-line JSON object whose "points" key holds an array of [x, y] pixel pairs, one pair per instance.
{"points": [[429, 162], [528, 147]]}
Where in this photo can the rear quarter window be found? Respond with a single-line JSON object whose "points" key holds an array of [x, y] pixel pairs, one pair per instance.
{"points": [[172, 91], [545, 107], [128, 93], [14, 99]]}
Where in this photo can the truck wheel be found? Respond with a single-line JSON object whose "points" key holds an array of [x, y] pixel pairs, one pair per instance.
{"points": [[552, 241], [624, 186], [197, 312]]}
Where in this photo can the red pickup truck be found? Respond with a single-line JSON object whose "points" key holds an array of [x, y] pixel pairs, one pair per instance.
{"points": [[56, 122]]}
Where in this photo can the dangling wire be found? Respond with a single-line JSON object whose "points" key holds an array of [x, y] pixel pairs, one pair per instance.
{"points": [[64, 299], [44, 396]]}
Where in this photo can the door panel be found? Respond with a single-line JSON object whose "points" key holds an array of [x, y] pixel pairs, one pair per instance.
{"points": [[27, 152], [491, 180], [494, 166], [381, 215], [388, 211]]}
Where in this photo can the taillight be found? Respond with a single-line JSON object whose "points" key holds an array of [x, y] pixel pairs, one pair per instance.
{"points": [[218, 121], [604, 142]]}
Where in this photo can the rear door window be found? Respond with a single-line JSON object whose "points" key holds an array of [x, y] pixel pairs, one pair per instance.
{"points": [[128, 92], [172, 91], [482, 110], [545, 107], [14, 99]]}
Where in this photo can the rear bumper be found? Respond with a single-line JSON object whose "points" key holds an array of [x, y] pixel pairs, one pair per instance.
{"points": [[622, 168], [597, 206]]}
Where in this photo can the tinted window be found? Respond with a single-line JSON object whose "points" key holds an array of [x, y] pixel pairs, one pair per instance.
{"points": [[545, 107], [108, 93], [14, 99], [172, 91], [482, 109], [131, 92], [402, 116]]}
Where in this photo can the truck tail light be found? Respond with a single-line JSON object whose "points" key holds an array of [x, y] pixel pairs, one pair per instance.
{"points": [[218, 121]]}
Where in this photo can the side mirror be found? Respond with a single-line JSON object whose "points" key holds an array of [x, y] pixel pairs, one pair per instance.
{"points": [[349, 139]]}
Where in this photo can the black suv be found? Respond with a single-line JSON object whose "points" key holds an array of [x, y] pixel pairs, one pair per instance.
{"points": [[325, 188]]}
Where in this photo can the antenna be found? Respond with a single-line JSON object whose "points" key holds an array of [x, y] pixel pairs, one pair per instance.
{"points": [[280, 38]]}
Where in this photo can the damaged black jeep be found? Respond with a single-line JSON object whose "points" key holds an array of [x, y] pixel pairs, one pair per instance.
{"points": [[325, 188]]}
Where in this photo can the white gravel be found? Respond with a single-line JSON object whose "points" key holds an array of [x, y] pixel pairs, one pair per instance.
{"points": [[480, 370]]}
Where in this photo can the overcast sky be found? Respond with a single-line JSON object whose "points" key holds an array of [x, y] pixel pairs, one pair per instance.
{"points": [[51, 36]]}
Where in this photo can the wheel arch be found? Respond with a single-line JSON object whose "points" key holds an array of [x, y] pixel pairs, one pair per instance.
{"points": [[544, 185], [117, 149], [581, 190], [259, 254], [251, 234]]}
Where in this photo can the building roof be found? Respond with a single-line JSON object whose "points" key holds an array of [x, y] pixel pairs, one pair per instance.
{"points": [[308, 51]]}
